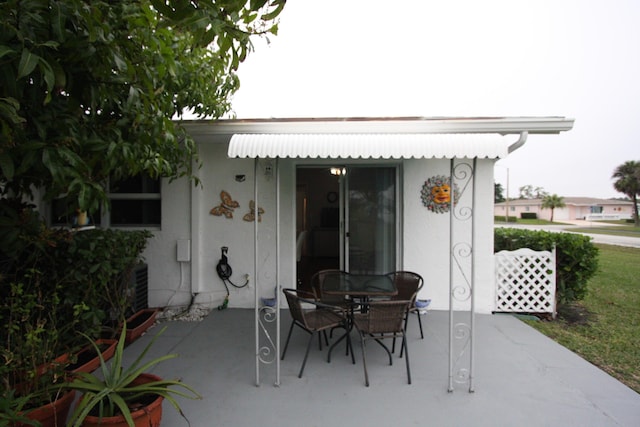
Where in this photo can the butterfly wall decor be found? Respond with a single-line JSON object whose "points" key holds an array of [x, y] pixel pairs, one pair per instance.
{"points": [[226, 207], [251, 216]]}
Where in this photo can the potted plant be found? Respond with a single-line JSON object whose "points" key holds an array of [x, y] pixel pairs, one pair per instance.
{"points": [[138, 323], [14, 412], [87, 359], [31, 373], [125, 396]]}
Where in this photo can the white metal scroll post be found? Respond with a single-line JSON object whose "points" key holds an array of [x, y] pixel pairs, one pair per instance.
{"points": [[277, 173], [462, 254], [255, 269], [271, 350]]}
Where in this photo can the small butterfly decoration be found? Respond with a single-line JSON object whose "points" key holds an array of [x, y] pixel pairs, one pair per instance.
{"points": [[226, 207], [251, 216]]}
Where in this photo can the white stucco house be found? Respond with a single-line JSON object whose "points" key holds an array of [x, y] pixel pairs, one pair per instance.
{"points": [[586, 208], [347, 193]]}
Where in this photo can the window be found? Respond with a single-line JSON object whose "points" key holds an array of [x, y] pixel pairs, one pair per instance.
{"points": [[135, 202], [596, 209], [63, 213]]}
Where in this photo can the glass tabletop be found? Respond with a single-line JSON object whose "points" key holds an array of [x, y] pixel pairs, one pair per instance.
{"points": [[343, 283]]}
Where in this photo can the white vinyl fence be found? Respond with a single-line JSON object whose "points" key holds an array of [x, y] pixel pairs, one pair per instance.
{"points": [[526, 281]]}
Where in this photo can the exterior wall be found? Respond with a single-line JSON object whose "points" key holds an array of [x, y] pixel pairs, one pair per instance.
{"points": [[425, 234], [169, 280]]}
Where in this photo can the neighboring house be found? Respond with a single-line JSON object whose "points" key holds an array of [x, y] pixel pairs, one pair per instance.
{"points": [[587, 208], [357, 194]]}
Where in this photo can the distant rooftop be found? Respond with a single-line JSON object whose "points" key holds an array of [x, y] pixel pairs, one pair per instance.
{"points": [[576, 201]]}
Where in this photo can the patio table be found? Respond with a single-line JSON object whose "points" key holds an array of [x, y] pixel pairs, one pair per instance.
{"points": [[356, 287]]}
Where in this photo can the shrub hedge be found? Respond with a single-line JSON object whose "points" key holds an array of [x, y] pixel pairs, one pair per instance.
{"points": [[502, 218], [576, 257], [528, 215]]}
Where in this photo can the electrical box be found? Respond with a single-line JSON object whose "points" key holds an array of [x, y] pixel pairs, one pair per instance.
{"points": [[183, 250]]}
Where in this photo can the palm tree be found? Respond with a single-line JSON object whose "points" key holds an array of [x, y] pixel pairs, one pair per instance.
{"points": [[552, 201], [627, 177]]}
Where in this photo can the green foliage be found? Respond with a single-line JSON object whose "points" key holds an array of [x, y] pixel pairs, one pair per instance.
{"points": [[101, 262], [112, 391], [627, 177], [576, 257], [89, 90], [552, 201], [531, 192], [498, 193], [53, 285], [528, 215], [502, 218], [11, 408]]}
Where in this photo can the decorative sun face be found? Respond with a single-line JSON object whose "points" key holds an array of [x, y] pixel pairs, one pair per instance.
{"points": [[441, 194], [436, 194]]}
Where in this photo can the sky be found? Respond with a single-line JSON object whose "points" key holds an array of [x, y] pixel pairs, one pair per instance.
{"points": [[578, 59]]}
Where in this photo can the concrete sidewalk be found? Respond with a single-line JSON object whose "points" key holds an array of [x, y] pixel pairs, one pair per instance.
{"points": [[522, 378]]}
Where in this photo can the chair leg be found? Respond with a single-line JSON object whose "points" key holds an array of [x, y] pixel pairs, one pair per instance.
{"points": [[364, 360], [406, 350], [420, 323], [306, 354], [393, 346], [287, 343], [349, 346]]}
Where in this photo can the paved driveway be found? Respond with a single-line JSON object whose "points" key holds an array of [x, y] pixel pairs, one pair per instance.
{"points": [[633, 242]]}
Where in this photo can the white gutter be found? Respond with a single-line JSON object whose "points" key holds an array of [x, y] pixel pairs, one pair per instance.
{"points": [[520, 142], [500, 125]]}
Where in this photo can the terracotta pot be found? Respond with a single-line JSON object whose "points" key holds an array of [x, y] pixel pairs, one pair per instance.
{"points": [[148, 416], [53, 414], [139, 323], [92, 365]]}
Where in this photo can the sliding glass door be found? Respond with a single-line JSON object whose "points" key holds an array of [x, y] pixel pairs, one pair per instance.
{"points": [[369, 209]]}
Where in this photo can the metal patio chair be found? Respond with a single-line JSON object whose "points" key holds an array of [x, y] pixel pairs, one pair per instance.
{"points": [[382, 320], [313, 320], [408, 284]]}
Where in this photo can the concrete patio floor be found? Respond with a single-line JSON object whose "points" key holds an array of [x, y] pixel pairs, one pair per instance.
{"points": [[522, 378]]}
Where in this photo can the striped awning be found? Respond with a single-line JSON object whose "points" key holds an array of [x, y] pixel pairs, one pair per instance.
{"points": [[369, 146]]}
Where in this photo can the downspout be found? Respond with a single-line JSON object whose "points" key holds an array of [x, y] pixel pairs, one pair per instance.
{"points": [[519, 143]]}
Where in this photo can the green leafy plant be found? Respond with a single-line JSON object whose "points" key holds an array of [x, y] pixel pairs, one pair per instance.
{"points": [[101, 262], [113, 391], [576, 257], [11, 409]]}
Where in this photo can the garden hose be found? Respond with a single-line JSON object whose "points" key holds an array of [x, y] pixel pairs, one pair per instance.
{"points": [[224, 272]]}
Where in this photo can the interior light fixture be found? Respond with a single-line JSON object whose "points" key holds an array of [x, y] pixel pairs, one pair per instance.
{"points": [[338, 171]]}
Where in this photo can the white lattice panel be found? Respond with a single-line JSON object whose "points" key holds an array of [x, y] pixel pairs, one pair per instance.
{"points": [[526, 281]]}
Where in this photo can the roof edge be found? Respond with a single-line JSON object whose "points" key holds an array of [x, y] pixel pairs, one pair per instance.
{"points": [[500, 125]]}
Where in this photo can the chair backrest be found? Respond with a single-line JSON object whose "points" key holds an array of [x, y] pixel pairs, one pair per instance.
{"points": [[316, 286], [385, 316], [408, 285], [295, 297]]}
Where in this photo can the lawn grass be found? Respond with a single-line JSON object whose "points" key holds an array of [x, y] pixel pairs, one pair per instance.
{"points": [[606, 329]]}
